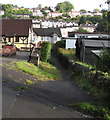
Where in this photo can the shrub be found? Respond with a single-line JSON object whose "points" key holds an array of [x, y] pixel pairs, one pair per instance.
{"points": [[104, 61], [60, 44], [99, 112], [46, 51]]}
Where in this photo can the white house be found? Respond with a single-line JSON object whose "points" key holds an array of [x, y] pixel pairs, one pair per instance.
{"points": [[46, 34], [37, 13], [2, 12], [74, 14], [54, 14]]}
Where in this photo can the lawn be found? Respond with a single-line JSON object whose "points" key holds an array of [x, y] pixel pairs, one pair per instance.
{"points": [[44, 72]]}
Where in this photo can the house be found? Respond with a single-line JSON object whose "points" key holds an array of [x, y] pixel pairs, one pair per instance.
{"points": [[36, 23], [37, 13], [73, 14], [17, 32], [22, 15], [46, 34], [2, 12], [89, 27], [54, 14], [90, 14], [88, 50]]}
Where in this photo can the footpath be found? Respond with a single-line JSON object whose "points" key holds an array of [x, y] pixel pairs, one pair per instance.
{"points": [[48, 99]]}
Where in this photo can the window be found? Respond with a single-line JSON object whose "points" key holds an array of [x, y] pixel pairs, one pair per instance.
{"points": [[17, 39], [42, 38], [47, 38]]}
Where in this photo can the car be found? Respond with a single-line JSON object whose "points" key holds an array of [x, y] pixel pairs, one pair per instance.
{"points": [[8, 50]]}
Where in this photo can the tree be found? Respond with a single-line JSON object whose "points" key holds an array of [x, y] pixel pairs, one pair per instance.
{"points": [[83, 11], [104, 61], [82, 20], [104, 25], [96, 10], [8, 9], [46, 51], [39, 7], [81, 30], [64, 7], [44, 12]]}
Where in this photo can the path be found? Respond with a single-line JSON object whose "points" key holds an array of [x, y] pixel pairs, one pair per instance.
{"points": [[52, 96]]}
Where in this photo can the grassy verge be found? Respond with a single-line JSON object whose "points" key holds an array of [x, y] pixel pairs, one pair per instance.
{"points": [[90, 88], [97, 111], [43, 73], [69, 53]]}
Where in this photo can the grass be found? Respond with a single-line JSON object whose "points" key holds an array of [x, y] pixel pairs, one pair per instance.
{"points": [[85, 65], [70, 53], [95, 110], [90, 88], [29, 82], [44, 72], [17, 88]]}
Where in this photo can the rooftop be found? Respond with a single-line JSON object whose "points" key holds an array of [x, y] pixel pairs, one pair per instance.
{"points": [[16, 27]]}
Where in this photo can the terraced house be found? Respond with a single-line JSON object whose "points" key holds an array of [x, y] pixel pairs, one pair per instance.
{"points": [[17, 32]]}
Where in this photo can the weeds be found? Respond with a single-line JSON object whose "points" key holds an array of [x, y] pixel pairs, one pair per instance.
{"points": [[96, 111]]}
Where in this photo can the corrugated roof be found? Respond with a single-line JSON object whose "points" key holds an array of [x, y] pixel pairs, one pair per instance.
{"points": [[16, 27], [47, 31]]}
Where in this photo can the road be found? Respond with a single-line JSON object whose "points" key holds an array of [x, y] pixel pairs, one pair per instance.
{"points": [[41, 100]]}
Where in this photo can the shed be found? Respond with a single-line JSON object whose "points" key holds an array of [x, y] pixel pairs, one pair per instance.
{"points": [[89, 49]]}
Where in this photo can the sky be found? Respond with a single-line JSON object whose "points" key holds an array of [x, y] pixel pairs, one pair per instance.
{"points": [[78, 4]]}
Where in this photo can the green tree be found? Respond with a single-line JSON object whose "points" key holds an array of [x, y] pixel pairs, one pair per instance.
{"points": [[8, 10], [46, 51], [104, 25], [44, 12], [83, 10], [96, 10], [104, 61], [82, 20], [94, 19], [64, 7], [81, 30]]}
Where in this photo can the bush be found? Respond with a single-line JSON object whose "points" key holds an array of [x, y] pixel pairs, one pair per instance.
{"points": [[46, 51], [57, 45], [99, 112], [60, 44], [104, 61]]}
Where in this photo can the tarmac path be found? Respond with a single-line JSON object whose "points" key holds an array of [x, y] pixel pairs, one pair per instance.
{"points": [[48, 99]]}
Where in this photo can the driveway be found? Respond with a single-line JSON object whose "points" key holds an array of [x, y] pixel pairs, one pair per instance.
{"points": [[41, 100]]}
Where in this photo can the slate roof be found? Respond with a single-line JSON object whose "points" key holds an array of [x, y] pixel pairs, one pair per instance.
{"points": [[47, 31], [71, 34], [16, 27], [96, 43]]}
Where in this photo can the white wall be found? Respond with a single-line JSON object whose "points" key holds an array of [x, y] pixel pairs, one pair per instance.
{"points": [[70, 43]]}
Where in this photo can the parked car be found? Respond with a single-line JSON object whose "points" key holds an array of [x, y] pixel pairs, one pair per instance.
{"points": [[8, 50]]}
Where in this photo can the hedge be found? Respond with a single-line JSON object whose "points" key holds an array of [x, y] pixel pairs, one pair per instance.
{"points": [[46, 51]]}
